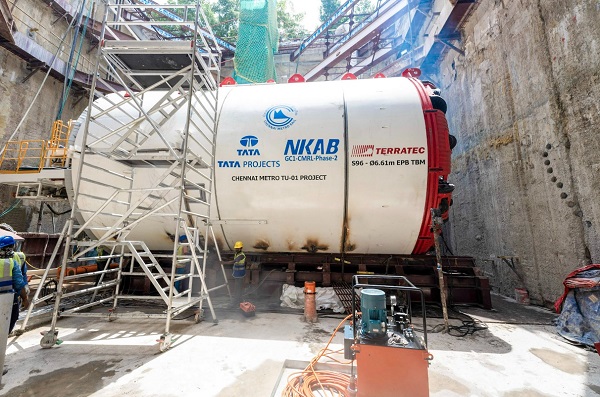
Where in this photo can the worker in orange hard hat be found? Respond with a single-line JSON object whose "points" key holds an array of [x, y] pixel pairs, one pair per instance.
{"points": [[239, 272]]}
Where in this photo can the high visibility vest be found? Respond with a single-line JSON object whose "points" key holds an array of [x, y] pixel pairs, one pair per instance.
{"points": [[6, 269], [181, 251], [239, 265], [19, 257]]}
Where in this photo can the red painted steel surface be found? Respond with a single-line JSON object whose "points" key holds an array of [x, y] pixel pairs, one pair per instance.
{"points": [[439, 164], [384, 371]]}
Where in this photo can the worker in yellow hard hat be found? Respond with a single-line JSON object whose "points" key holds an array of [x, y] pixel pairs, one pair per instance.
{"points": [[239, 272]]}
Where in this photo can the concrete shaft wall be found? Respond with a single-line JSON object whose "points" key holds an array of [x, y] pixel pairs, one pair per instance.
{"points": [[16, 97], [45, 29], [523, 104], [42, 27]]}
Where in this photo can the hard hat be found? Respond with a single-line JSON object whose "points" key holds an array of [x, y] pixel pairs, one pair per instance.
{"points": [[238, 244], [182, 238], [5, 241]]}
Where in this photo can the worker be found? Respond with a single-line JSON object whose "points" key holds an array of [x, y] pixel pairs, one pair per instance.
{"points": [[91, 253], [20, 258], [11, 280], [180, 267], [239, 272]]}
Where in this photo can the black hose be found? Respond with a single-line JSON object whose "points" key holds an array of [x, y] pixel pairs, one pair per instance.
{"points": [[50, 287], [57, 213]]}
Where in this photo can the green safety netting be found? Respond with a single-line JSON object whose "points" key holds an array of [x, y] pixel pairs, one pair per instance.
{"points": [[257, 43]]}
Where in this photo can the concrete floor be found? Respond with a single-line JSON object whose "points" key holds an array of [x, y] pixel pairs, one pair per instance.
{"points": [[518, 355]]}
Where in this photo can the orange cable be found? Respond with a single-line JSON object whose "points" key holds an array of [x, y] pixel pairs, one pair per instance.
{"points": [[303, 384]]}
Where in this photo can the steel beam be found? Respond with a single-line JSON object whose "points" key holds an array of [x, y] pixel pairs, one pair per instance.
{"points": [[336, 16], [361, 36], [6, 21]]}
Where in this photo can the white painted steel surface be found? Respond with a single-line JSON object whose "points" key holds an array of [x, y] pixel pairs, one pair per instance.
{"points": [[135, 173], [292, 161], [300, 192], [387, 183]]}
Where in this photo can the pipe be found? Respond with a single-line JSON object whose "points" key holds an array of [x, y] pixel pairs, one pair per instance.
{"points": [[71, 271], [310, 307]]}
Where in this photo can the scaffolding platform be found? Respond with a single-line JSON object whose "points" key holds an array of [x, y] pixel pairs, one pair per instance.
{"points": [[122, 133]]}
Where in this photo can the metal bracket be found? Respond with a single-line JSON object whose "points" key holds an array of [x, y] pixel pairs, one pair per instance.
{"points": [[452, 46], [513, 262], [78, 97], [34, 66]]}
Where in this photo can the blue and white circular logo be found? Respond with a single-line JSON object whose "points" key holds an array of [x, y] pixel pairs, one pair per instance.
{"points": [[280, 117], [249, 141]]}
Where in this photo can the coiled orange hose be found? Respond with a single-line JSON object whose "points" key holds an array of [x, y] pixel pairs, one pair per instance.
{"points": [[305, 383]]}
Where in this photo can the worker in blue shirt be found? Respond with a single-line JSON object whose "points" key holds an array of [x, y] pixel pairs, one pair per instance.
{"points": [[11, 280], [183, 253], [19, 257]]}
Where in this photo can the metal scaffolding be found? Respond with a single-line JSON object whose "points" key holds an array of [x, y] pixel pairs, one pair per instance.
{"points": [[128, 132]]}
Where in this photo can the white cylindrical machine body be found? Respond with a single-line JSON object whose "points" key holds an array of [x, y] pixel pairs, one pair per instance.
{"points": [[345, 166]]}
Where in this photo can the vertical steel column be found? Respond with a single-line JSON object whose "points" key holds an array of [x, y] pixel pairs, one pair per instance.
{"points": [[436, 224]]}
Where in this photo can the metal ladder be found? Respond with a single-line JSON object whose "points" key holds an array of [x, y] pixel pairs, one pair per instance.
{"points": [[126, 133]]}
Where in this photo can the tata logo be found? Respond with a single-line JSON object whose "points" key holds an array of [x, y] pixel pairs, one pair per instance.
{"points": [[248, 141], [228, 164], [280, 117]]}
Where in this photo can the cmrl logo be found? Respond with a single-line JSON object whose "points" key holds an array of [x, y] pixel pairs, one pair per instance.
{"points": [[280, 117]]}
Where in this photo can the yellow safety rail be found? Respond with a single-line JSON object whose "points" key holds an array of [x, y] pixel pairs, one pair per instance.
{"points": [[30, 156], [23, 157], [56, 153]]}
